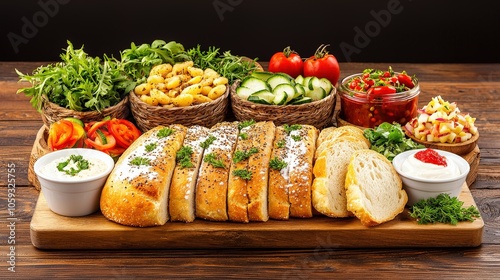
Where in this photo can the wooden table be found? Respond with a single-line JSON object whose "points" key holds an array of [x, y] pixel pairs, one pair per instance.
{"points": [[475, 87]]}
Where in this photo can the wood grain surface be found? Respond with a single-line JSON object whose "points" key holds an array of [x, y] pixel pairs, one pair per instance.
{"points": [[475, 87]]}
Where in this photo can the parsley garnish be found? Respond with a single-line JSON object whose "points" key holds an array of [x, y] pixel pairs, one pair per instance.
{"points": [[296, 137], [290, 128], [164, 132], [210, 158], [183, 156], [277, 164], [140, 161], [210, 139], [81, 164], [280, 143], [442, 209], [244, 124], [150, 147], [243, 174], [243, 136], [243, 155]]}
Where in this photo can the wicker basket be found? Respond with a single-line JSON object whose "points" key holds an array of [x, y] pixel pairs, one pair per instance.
{"points": [[318, 113], [206, 114], [52, 112], [40, 148]]}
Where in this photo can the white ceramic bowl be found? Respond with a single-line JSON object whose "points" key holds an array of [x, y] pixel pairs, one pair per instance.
{"points": [[424, 188], [72, 196]]}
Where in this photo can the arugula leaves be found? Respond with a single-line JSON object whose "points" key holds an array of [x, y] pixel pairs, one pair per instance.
{"points": [[390, 140], [78, 82]]}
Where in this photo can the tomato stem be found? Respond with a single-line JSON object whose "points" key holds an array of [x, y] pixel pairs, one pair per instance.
{"points": [[288, 51], [321, 51]]}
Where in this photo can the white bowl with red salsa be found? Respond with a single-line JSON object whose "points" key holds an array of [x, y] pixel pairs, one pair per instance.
{"points": [[427, 172], [374, 96]]}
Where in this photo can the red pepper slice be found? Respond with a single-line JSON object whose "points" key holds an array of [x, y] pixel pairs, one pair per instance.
{"points": [[124, 131], [406, 80], [98, 144], [382, 90], [95, 126]]}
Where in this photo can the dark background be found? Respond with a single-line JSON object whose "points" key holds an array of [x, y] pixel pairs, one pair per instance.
{"points": [[414, 31]]}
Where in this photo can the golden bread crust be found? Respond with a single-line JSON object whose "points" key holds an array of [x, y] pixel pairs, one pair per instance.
{"points": [[137, 194]]}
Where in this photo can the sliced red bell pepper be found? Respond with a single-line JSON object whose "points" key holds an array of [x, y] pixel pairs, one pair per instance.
{"points": [[102, 142], [124, 131]]}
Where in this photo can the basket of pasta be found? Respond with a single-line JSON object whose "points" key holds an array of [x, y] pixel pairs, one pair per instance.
{"points": [[181, 93]]}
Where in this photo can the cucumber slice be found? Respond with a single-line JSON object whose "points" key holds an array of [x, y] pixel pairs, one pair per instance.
{"points": [[299, 79], [286, 91], [262, 97], [243, 92], [299, 90], [326, 85], [278, 79], [313, 83], [316, 94], [254, 84], [306, 82], [302, 100], [280, 98], [262, 75]]}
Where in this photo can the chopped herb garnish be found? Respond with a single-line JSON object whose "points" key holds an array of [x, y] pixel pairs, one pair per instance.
{"points": [[164, 132], [243, 136], [243, 155], [211, 159], [281, 143], [81, 164], [276, 163], [150, 147], [243, 174], [296, 137], [244, 124], [290, 128], [210, 139], [140, 161], [442, 209], [183, 156]]}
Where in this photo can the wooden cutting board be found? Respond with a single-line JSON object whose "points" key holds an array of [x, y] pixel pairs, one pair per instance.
{"points": [[52, 231]]}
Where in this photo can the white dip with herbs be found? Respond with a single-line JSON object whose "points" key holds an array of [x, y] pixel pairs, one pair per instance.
{"points": [[74, 167]]}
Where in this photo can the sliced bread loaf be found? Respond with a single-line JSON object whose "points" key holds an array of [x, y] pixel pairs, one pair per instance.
{"points": [[373, 188], [330, 168]]}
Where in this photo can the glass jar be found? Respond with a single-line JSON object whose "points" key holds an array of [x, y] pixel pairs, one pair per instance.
{"points": [[370, 110]]}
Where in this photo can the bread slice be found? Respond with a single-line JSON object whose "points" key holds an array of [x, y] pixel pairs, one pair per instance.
{"points": [[262, 136], [237, 194], [330, 169], [212, 182], [331, 133], [136, 192], [374, 190], [301, 144], [248, 198], [182, 188], [278, 203]]}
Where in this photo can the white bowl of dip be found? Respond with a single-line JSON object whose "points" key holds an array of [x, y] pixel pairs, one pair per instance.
{"points": [[76, 193], [425, 180]]}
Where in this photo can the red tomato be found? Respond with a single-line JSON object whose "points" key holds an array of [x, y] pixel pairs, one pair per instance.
{"points": [[287, 61], [322, 65], [381, 90], [405, 80]]}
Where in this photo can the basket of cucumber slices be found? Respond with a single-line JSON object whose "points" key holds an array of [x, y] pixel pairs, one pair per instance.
{"points": [[283, 99]]}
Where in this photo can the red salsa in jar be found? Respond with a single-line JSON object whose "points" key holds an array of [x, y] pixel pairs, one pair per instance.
{"points": [[376, 96]]}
